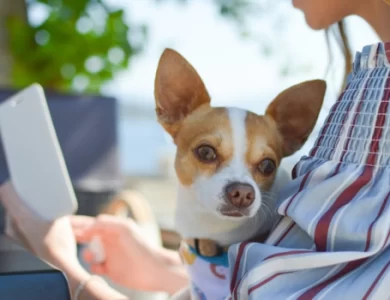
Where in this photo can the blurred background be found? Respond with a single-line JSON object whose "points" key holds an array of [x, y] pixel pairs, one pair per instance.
{"points": [[97, 59]]}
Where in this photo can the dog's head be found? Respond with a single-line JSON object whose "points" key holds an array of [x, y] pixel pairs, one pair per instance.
{"points": [[226, 156]]}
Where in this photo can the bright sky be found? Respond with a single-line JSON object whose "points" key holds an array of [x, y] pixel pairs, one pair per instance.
{"points": [[233, 68]]}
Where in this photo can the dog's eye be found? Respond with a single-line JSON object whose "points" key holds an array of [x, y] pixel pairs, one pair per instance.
{"points": [[266, 167], [206, 153]]}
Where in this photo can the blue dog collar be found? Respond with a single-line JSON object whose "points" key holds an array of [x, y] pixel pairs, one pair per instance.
{"points": [[220, 260]]}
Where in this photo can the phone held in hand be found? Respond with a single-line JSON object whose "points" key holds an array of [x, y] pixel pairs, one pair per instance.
{"points": [[35, 161]]}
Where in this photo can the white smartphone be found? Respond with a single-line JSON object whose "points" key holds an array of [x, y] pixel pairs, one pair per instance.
{"points": [[35, 161]]}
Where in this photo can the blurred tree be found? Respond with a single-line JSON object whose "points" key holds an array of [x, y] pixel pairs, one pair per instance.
{"points": [[16, 8], [77, 44]]}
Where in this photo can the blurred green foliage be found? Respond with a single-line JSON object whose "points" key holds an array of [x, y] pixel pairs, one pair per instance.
{"points": [[80, 44]]}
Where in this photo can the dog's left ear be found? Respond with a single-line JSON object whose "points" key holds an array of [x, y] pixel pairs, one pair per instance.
{"points": [[178, 90], [295, 112]]}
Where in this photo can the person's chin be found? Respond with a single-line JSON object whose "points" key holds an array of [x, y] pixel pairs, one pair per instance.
{"points": [[295, 3], [315, 23], [312, 20]]}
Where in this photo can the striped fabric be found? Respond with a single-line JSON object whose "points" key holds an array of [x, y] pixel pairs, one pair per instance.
{"points": [[332, 241]]}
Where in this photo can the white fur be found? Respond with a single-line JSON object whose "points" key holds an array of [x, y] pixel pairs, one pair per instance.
{"points": [[210, 190], [197, 209], [194, 221]]}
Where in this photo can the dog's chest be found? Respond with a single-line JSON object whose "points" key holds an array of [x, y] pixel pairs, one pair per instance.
{"points": [[209, 280]]}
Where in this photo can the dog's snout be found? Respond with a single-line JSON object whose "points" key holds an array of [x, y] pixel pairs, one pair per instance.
{"points": [[241, 195]]}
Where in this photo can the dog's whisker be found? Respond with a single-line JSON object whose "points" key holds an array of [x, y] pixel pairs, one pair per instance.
{"points": [[256, 218], [267, 193], [267, 211], [270, 210]]}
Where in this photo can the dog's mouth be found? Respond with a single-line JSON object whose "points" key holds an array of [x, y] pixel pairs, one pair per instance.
{"points": [[233, 212]]}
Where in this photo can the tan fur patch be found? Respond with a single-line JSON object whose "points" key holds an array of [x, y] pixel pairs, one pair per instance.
{"points": [[178, 90], [295, 111], [210, 126], [263, 141]]}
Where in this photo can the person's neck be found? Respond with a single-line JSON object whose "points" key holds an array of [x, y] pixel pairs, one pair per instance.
{"points": [[377, 14]]}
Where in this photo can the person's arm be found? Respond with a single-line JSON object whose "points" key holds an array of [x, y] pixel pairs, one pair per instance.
{"points": [[55, 243]]}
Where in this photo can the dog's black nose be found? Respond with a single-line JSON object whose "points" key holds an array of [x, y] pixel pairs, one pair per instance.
{"points": [[241, 195]]}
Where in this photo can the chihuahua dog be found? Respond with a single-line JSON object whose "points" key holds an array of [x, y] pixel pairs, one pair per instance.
{"points": [[227, 163]]}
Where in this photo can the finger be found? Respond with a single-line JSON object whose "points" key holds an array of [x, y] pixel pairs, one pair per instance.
{"points": [[85, 227], [86, 235], [98, 269], [102, 220], [79, 225], [110, 219], [81, 222]]}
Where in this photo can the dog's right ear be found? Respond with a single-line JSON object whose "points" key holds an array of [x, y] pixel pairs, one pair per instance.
{"points": [[178, 90], [295, 112]]}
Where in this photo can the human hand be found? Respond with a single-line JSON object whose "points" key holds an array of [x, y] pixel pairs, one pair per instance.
{"points": [[51, 241], [130, 259]]}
